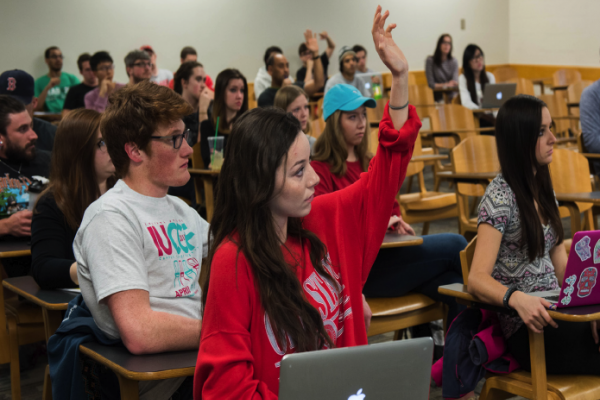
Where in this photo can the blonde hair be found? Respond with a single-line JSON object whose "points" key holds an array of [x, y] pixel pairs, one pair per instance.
{"points": [[331, 146], [286, 96]]}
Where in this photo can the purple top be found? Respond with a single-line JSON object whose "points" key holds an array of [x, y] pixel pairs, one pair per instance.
{"points": [[93, 100]]}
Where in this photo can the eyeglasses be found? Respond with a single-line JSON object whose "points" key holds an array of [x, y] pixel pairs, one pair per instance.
{"points": [[106, 68], [143, 64], [55, 56], [101, 145], [479, 57], [176, 140]]}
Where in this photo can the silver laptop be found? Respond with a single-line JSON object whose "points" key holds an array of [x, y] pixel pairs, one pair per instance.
{"points": [[383, 371], [495, 94]]}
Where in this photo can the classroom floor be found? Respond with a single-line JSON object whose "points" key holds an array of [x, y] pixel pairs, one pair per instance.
{"points": [[32, 380]]}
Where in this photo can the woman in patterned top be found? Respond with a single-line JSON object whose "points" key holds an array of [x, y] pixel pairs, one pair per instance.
{"points": [[520, 243]]}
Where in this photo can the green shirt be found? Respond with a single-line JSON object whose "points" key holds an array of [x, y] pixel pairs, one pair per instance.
{"points": [[56, 96]]}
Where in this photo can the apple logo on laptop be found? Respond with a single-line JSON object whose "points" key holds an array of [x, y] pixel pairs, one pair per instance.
{"points": [[499, 95], [357, 396]]}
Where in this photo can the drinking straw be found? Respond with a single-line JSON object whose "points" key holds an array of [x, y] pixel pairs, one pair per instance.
{"points": [[215, 142]]}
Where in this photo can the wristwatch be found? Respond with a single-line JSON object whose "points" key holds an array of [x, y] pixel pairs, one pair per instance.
{"points": [[507, 295]]}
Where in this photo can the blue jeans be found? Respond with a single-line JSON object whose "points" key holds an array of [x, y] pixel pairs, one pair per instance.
{"points": [[420, 269]]}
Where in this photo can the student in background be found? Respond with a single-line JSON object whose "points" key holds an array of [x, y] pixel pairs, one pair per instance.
{"points": [[51, 89], [263, 79], [190, 82], [159, 76], [104, 69], [520, 244], [76, 95], [294, 100], [471, 83], [81, 171], [361, 65], [188, 53], [279, 69], [310, 58], [347, 72], [340, 156], [138, 65], [441, 69], [231, 101], [276, 253]]}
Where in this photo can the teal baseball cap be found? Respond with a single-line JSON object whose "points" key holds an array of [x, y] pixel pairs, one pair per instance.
{"points": [[346, 98]]}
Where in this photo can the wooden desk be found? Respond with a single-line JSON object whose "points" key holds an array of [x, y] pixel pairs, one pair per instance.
{"points": [[570, 200], [15, 249], [430, 157], [484, 110], [560, 87], [396, 240], [591, 155], [47, 116], [482, 178], [446, 91], [206, 176], [52, 302], [130, 369]]}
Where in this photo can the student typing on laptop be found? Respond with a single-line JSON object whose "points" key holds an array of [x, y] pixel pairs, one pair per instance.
{"points": [[520, 243], [471, 83]]}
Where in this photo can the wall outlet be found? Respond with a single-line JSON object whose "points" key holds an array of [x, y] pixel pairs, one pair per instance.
{"points": [[463, 24]]}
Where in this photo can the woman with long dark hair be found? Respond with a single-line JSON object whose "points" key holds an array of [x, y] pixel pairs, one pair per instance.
{"points": [[231, 101], [520, 243], [471, 83], [190, 82], [441, 69], [286, 272], [340, 157], [81, 171]]}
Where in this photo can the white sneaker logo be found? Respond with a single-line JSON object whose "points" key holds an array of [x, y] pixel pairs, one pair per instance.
{"points": [[357, 396]]}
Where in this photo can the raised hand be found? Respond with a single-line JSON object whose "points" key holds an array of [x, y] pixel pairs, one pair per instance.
{"points": [[388, 51], [311, 42], [323, 35]]}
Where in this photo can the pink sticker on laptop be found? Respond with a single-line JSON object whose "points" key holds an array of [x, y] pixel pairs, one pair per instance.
{"points": [[587, 281], [582, 248]]}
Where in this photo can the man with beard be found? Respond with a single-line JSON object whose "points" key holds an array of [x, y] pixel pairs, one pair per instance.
{"points": [[347, 74], [19, 84], [279, 69], [20, 162], [51, 89], [138, 66]]}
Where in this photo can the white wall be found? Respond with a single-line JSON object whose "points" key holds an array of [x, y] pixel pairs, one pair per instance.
{"points": [[235, 33], [555, 32]]}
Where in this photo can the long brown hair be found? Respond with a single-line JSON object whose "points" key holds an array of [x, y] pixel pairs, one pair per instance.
{"points": [[260, 140], [331, 147], [517, 130], [219, 107], [286, 96], [73, 181]]}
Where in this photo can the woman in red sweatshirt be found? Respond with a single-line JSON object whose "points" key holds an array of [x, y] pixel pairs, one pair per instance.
{"points": [[285, 272], [340, 156]]}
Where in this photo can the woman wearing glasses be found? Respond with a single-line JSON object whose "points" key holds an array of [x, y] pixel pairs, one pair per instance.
{"points": [[472, 82], [441, 68], [81, 172]]}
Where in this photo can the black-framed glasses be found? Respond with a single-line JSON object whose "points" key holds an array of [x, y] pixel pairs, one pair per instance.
{"points": [[101, 145], [176, 140], [106, 68], [143, 64]]}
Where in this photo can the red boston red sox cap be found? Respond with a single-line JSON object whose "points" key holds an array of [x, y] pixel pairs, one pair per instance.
{"points": [[18, 84]]}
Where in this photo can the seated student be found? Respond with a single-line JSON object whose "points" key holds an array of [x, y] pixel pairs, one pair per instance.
{"points": [[471, 83], [188, 53], [139, 250], [76, 95], [190, 82], [20, 161], [19, 84], [138, 66], [104, 69], [81, 171], [263, 79], [279, 69], [51, 89], [159, 76], [520, 244], [589, 110], [441, 69], [347, 72], [361, 65], [231, 101], [294, 100], [339, 158], [314, 67], [273, 260]]}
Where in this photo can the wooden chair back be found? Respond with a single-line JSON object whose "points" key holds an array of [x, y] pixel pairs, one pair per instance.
{"points": [[415, 168], [524, 86], [564, 77], [570, 172], [376, 114], [503, 74], [475, 154], [197, 162], [317, 126], [421, 96], [252, 101], [387, 79], [557, 106], [575, 89], [466, 259], [451, 116]]}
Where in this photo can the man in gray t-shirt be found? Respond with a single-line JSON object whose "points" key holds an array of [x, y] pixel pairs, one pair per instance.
{"points": [[139, 250], [589, 114], [348, 73]]}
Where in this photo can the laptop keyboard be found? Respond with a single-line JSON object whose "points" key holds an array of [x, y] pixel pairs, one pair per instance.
{"points": [[552, 298]]}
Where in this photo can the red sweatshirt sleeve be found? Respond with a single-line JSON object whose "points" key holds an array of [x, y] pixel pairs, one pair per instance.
{"points": [[325, 184], [364, 208], [225, 366]]}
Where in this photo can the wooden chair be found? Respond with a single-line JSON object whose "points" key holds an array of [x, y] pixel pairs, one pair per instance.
{"points": [[251, 96], [535, 384], [474, 154], [21, 322], [557, 106], [565, 77], [204, 181], [574, 96], [503, 74], [374, 115], [425, 206], [387, 80], [317, 127], [570, 172], [421, 96], [524, 86]]}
